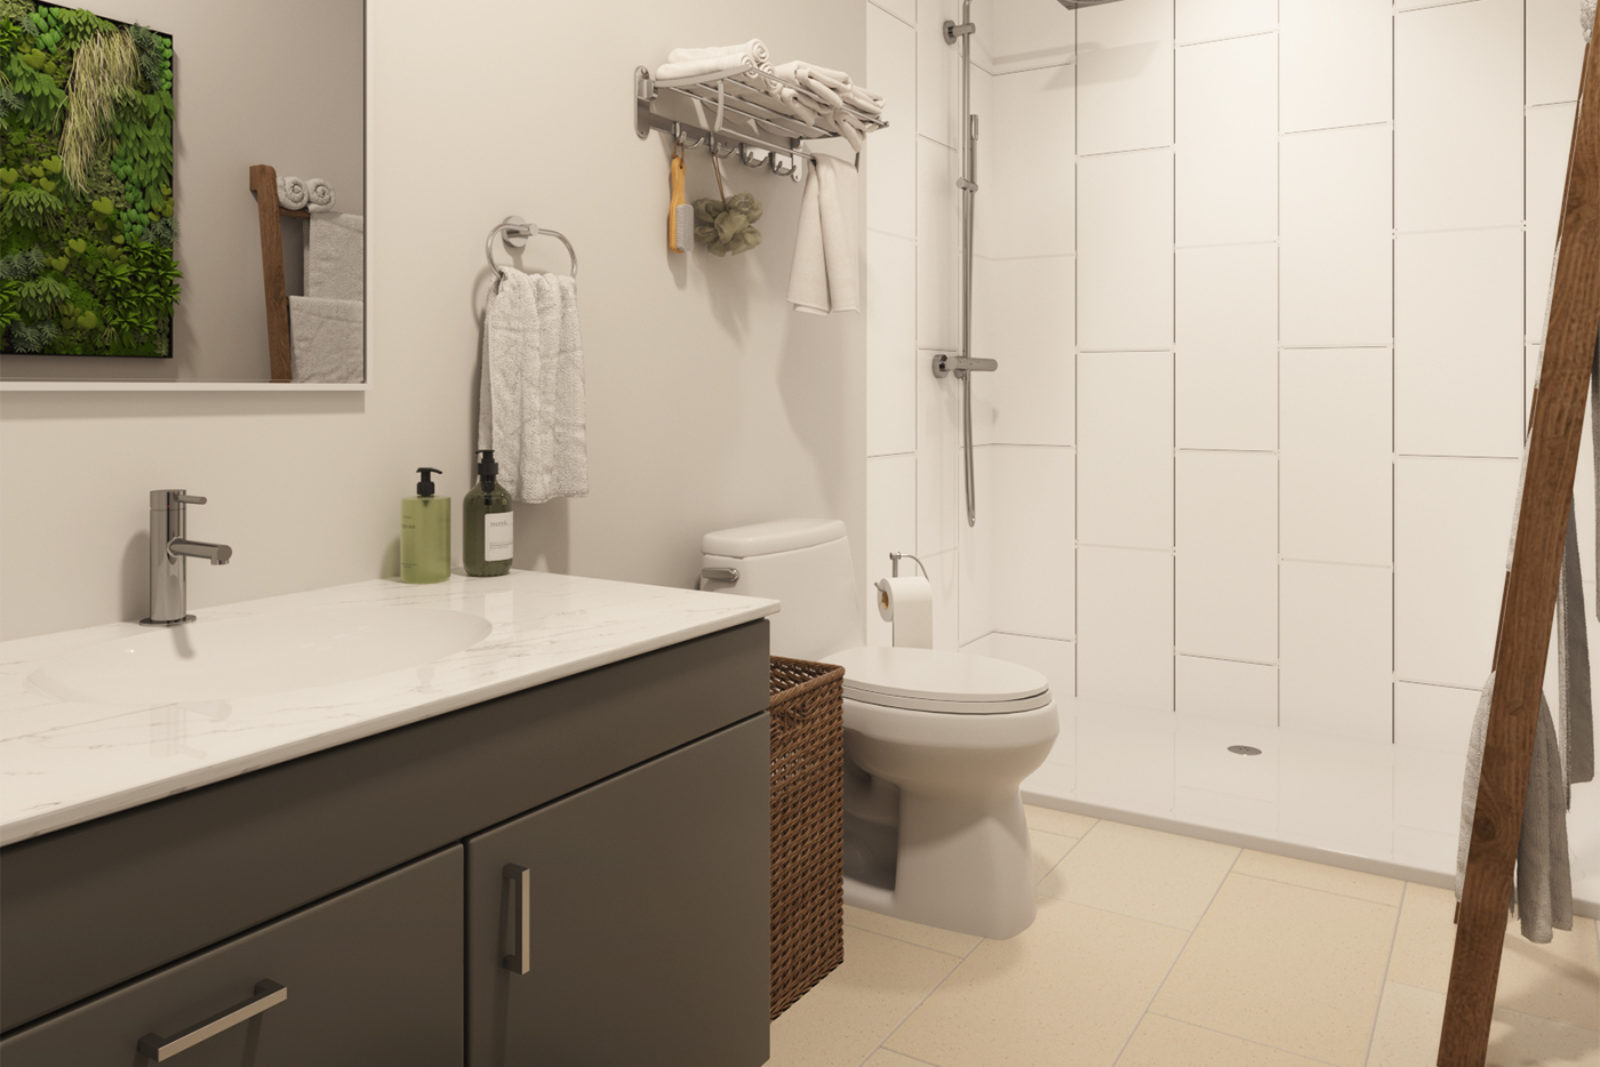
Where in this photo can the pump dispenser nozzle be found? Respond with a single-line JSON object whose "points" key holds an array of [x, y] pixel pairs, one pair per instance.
{"points": [[487, 467], [425, 486]]}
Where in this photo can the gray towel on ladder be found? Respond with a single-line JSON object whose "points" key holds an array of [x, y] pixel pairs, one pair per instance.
{"points": [[1544, 865]]}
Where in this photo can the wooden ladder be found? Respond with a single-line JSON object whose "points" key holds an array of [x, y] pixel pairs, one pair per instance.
{"points": [[264, 183], [1528, 604]]}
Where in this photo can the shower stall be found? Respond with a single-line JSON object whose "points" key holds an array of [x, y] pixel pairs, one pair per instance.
{"points": [[1234, 520]]}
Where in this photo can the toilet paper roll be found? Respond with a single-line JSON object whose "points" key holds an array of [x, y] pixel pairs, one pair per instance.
{"points": [[908, 603]]}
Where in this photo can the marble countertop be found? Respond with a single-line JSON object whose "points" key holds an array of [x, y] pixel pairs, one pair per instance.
{"points": [[66, 761]]}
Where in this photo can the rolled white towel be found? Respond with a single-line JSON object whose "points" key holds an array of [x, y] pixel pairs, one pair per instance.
{"points": [[320, 194], [708, 68], [755, 48], [823, 90], [837, 80], [864, 100], [1586, 15], [293, 193]]}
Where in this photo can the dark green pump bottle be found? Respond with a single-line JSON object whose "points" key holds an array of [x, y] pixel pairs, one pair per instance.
{"points": [[486, 526]]}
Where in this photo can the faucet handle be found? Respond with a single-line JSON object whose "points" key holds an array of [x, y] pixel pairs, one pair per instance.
{"points": [[167, 499]]}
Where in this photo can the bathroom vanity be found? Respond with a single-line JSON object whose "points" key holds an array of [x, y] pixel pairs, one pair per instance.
{"points": [[548, 847]]}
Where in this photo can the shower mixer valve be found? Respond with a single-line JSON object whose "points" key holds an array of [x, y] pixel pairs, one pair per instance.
{"points": [[944, 364]]}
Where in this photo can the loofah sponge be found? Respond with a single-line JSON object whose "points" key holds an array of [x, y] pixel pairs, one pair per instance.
{"points": [[727, 227]]}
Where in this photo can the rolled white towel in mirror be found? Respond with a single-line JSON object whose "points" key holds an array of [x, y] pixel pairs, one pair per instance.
{"points": [[293, 193], [320, 194]]}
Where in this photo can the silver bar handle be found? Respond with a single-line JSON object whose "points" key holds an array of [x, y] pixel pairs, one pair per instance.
{"points": [[268, 994], [190, 498], [519, 882], [729, 575]]}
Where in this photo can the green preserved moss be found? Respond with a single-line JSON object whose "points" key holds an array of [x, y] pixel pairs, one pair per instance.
{"points": [[87, 224]]}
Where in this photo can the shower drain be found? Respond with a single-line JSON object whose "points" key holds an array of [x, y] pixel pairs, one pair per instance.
{"points": [[1244, 750]]}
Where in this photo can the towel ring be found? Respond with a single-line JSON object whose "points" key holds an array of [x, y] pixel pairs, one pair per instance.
{"points": [[515, 232]]}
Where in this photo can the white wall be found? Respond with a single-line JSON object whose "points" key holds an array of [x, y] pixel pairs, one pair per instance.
{"points": [[710, 403], [1266, 282], [235, 106]]}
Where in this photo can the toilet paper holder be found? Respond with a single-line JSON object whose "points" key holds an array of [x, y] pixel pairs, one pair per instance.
{"points": [[894, 564]]}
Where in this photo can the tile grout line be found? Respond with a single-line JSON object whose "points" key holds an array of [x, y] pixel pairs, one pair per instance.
{"points": [[1181, 950], [1236, 1037], [1394, 937]]}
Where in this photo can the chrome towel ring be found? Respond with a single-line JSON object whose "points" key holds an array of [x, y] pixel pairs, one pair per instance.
{"points": [[515, 232]]}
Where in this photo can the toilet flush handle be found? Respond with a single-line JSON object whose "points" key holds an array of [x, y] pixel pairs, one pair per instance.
{"points": [[725, 575]]}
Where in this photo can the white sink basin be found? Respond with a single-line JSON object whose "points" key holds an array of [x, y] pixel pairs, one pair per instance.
{"points": [[230, 659]]}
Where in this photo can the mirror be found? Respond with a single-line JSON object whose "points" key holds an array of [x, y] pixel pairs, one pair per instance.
{"points": [[182, 193]]}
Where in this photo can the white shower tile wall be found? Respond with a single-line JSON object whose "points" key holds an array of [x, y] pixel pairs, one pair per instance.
{"points": [[1225, 252], [1266, 282]]}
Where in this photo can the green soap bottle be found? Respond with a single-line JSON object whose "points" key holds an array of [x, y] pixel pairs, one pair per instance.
{"points": [[425, 533], [486, 525]]}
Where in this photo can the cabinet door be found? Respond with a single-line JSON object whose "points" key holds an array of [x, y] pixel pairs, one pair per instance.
{"points": [[371, 976], [643, 918]]}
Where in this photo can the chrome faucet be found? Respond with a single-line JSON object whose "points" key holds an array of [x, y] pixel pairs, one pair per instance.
{"points": [[170, 551]]}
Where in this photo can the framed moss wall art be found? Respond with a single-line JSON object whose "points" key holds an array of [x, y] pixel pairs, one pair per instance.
{"points": [[87, 229]]}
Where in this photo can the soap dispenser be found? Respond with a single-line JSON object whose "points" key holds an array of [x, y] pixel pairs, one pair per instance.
{"points": [[425, 533], [486, 523]]}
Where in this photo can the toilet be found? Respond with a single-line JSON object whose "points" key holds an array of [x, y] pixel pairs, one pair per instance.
{"points": [[936, 743]]}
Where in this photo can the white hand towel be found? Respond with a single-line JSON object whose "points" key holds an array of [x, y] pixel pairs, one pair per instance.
{"points": [[319, 194], [826, 274], [1586, 15], [335, 265], [329, 339], [530, 401], [293, 194]]}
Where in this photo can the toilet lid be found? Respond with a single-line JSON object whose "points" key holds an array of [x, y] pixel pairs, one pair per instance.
{"points": [[924, 680]]}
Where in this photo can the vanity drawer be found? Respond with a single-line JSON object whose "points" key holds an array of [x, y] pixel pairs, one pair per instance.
{"points": [[371, 976]]}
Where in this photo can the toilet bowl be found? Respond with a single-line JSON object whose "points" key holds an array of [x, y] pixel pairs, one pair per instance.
{"points": [[936, 743]]}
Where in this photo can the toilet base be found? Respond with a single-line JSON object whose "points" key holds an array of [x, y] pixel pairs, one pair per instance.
{"points": [[961, 862]]}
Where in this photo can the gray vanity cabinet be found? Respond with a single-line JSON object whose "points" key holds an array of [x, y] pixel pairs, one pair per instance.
{"points": [[634, 795], [627, 923], [371, 976]]}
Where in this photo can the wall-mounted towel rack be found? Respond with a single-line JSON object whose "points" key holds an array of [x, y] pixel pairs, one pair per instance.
{"points": [[515, 232], [730, 114]]}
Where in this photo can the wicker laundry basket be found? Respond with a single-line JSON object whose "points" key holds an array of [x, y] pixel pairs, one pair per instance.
{"points": [[807, 826]]}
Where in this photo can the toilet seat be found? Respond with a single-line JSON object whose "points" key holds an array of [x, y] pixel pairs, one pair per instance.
{"points": [[948, 683]]}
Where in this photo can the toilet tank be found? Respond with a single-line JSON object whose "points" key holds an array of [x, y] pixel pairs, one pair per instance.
{"points": [[804, 564]]}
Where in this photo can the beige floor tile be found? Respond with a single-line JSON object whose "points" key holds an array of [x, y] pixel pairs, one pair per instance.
{"points": [[1065, 823], [1350, 883], [1285, 966], [1145, 874], [1163, 1042], [841, 1021], [884, 1058], [1559, 981], [1407, 1035], [1048, 849], [946, 941], [1069, 991]]}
